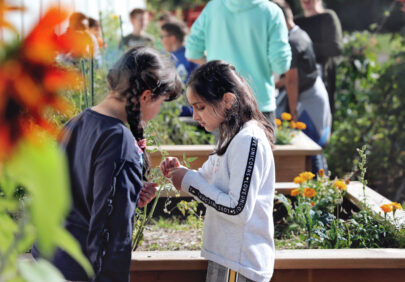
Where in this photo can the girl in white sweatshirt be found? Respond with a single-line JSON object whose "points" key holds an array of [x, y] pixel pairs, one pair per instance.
{"points": [[236, 183]]}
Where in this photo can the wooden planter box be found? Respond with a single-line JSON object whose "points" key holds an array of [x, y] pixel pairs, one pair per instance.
{"points": [[348, 265], [290, 160]]}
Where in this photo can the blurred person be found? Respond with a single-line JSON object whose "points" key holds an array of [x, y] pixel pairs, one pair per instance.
{"points": [[324, 29], [250, 34], [172, 36], [307, 96], [79, 28], [165, 18], [95, 29], [138, 36]]}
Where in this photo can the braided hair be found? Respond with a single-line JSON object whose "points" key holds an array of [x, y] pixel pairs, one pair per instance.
{"points": [[211, 81], [141, 69]]}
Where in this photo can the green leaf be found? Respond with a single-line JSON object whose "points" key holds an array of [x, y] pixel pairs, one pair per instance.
{"points": [[42, 170], [39, 271]]}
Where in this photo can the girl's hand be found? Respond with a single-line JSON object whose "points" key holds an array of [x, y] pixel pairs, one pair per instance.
{"points": [[168, 164], [147, 193], [176, 175]]}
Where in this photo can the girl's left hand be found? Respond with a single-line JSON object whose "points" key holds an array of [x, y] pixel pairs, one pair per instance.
{"points": [[147, 193], [176, 176]]}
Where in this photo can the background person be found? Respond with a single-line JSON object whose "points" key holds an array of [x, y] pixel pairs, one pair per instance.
{"points": [[172, 37], [307, 96], [252, 36], [324, 29], [138, 36]]}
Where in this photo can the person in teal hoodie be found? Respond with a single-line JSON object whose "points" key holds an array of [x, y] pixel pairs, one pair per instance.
{"points": [[250, 34]]}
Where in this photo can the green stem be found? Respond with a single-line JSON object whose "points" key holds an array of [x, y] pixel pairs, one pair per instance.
{"points": [[85, 84], [92, 80]]}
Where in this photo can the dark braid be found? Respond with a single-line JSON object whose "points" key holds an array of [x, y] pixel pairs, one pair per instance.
{"points": [[138, 70]]}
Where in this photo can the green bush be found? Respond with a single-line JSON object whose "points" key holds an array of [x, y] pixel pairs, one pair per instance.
{"points": [[371, 110]]}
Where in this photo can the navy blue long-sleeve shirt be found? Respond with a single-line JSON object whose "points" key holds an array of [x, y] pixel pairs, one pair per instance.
{"points": [[106, 178]]}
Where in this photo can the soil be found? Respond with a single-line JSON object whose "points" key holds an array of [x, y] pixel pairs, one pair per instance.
{"points": [[166, 239]]}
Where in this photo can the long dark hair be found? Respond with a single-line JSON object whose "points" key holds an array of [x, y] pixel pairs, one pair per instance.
{"points": [[211, 81], [141, 69]]}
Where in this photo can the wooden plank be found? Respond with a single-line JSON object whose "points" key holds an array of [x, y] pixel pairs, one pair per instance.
{"points": [[374, 200], [301, 145], [284, 259]]}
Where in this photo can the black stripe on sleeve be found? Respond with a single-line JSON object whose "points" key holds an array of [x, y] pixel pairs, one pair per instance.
{"points": [[243, 191]]}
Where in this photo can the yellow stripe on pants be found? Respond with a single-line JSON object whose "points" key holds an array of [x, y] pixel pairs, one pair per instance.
{"points": [[232, 276]]}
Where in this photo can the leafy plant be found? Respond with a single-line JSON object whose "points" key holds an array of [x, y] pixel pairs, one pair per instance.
{"points": [[370, 110]]}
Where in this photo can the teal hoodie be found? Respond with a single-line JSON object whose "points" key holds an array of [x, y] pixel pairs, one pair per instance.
{"points": [[250, 34]]}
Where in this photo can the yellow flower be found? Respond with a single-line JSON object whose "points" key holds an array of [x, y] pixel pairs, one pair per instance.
{"points": [[278, 122], [396, 206], [321, 172], [300, 125], [298, 180], [293, 124], [340, 184], [306, 175], [286, 116], [386, 208], [294, 192], [309, 192]]}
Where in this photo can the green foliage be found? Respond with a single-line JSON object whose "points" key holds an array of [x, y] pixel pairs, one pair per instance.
{"points": [[41, 169], [371, 110], [167, 128], [320, 220], [171, 5]]}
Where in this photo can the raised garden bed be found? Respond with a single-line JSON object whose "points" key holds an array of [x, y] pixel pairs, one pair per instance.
{"points": [[290, 160], [291, 265]]}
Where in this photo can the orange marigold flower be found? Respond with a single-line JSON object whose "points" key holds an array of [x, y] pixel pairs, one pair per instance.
{"points": [[309, 192], [293, 124], [298, 180], [386, 208], [396, 206], [312, 204], [286, 116], [294, 192], [340, 184], [278, 122], [321, 172], [300, 125], [307, 175]]}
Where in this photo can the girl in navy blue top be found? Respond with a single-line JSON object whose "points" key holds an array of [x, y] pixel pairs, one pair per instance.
{"points": [[107, 167]]}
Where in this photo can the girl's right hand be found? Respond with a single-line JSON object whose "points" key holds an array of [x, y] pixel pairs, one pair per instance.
{"points": [[168, 164]]}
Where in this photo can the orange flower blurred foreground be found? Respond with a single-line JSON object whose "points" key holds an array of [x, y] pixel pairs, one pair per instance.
{"points": [[4, 7], [30, 81]]}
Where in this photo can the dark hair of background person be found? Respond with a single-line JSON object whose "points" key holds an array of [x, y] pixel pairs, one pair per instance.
{"points": [[285, 7], [175, 28], [78, 21], [136, 11], [93, 23], [166, 16], [141, 69], [215, 78]]}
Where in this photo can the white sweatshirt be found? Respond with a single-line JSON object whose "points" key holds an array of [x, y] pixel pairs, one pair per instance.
{"points": [[238, 190]]}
